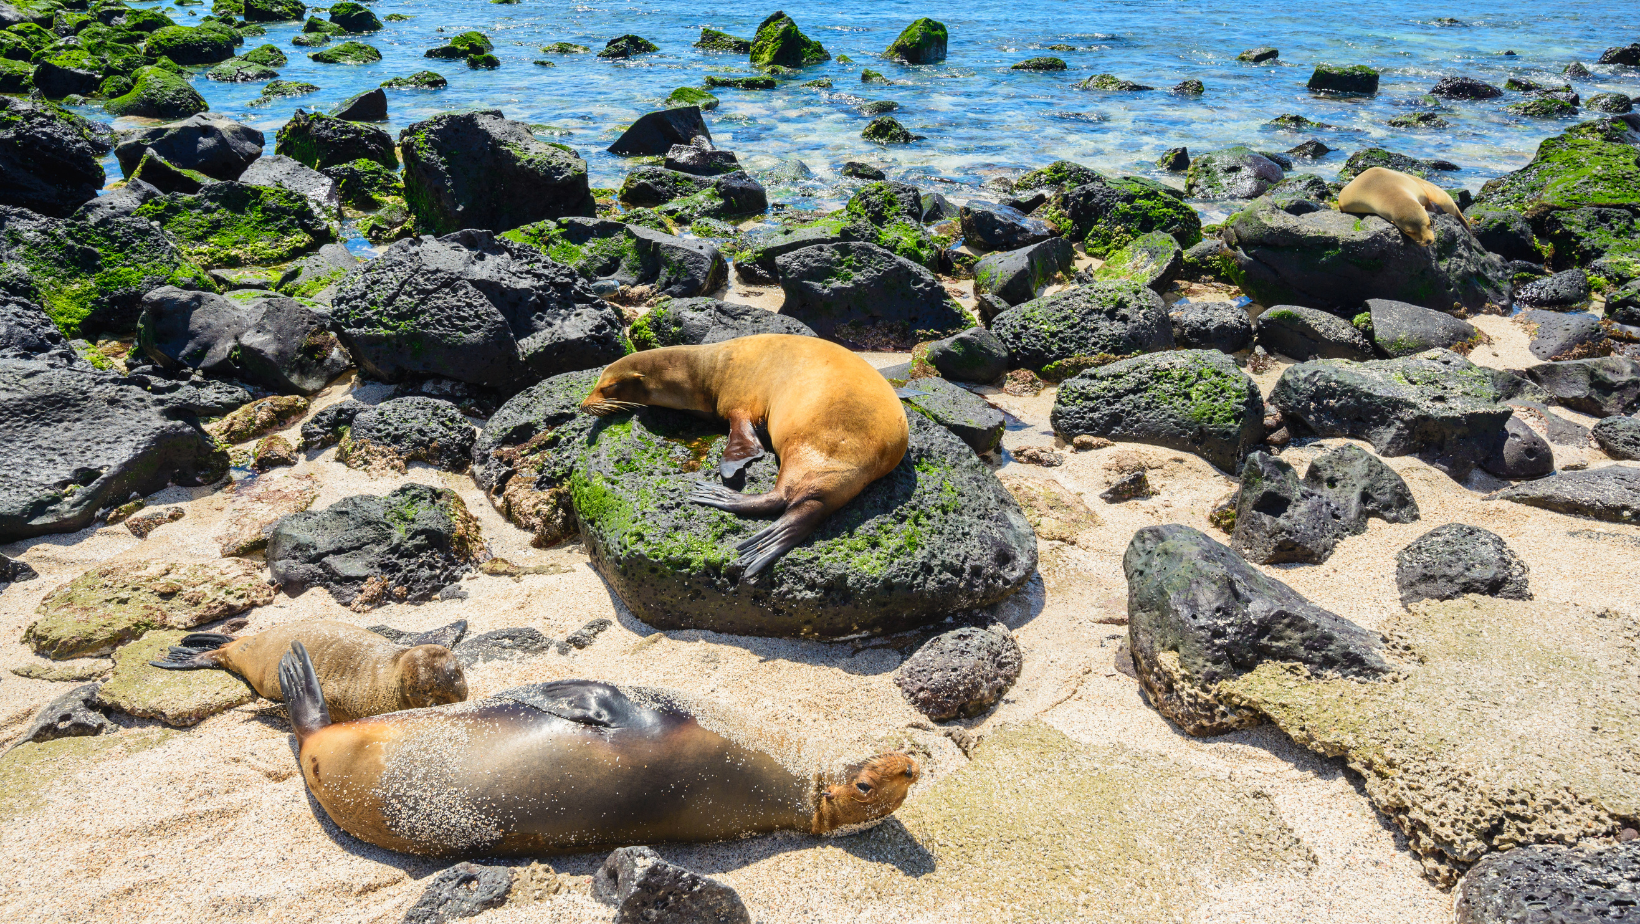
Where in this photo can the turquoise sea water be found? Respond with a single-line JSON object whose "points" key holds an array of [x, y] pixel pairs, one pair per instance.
{"points": [[979, 117]]}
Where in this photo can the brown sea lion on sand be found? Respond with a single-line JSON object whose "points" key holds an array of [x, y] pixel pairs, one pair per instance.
{"points": [[363, 673], [834, 421], [1402, 200], [570, 765]]}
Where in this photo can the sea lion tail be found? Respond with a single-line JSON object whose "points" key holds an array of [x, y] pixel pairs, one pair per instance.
{"points": [[304, 700], [197, 651]]}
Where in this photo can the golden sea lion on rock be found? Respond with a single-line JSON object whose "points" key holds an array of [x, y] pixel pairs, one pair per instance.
{"points": [[1402, 200], [363, 673], [834, 421], [567, 766]]}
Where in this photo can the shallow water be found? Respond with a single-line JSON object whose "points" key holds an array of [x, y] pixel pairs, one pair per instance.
{"points": [[979, 117]]}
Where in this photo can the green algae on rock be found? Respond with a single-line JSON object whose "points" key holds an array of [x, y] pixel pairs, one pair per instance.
{"points": [[692, 96], [1152, 260], [158, 94], [1355, 79], [922, 42], [234, 224], [177, 698], [713, 40], [779, 41], [348, 53], [887, 130], [205, 44], [420, 80], [1108, 213], [627, 46]]}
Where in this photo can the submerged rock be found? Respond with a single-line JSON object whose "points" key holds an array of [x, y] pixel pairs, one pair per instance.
{"points": [[656, 133], [480, 170], [960, 673], [922, 42], [779, 41]]}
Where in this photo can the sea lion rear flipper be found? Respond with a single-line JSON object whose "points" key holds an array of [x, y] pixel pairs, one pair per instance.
{"points": [[445, 636], [197, 651], [744, 446], [304, 700], [780, 537], [716, 495]]}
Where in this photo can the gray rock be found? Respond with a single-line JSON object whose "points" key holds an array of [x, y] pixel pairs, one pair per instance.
{"points": [[1105, 213], [503, 644], [851, 291], [645, 889], [756, 262], [315, 276], [1233, 173], [1559, 430], [276, 343], [1194, 401], [689, 158], [1558, 336], [1278, 519], [1464, 88], [47, 164], [328, 426], [1611, 493], [862, 171], [214, 145], [1597, 387], [1506, 233], [655, 133], [975, 355], [972, 418], [1619, 437], [1210, 326], [475, 308], [1614, 103], [478, 170], [462, 891], [1016, 276], [12, 571], [1198, 614], [1456, 559], [369, 106], [537, 410], [293, 175], [73, 714], [1567, 290], [1305, 333], [1111, 318], [687, 197], [695, 321], [1152, 260], [1402, 329], [80, 440], [629, 254], [989, 226], [1292, 251], [936, 208], [27, 333], [1525, 454], [1623, 305], [1361, 486], [1551, 884], [407, 545], [416, 429], [961, 673]]}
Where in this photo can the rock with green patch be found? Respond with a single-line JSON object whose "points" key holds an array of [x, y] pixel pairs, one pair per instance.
{"points": [[1306, 333], [655, 133], [354, 17], [1233, 173], [47, 163], [1107, 213], [740, 83], [887, 130], [1367, 158], [1040, 64], [1543, 107], [1195, 401], [856, 292], [975, 355], [273, 10], [272, 342], [347, 53], [365, 184], [779, 41], [922, 42], [629, 254], [238, 70], [1347, 80], [368, 550], [482, 170], [713, 40], [116, 604], [1418, 120], [1109, 319], [420, 80], [1153, 260], [1016, 276], [695, 321], [564, 48], [217, 147], [157, 94], [319, 140], [189, 45], [177, 698], [315, 276], [410, 429], [969, 417], [1109, 83], [236, 224], [1400, 329], [463, 45], [1297, 252], [692, 96], [1587, 236], [755, 262], [686, 196], [628, 46], [893, 212], [283, 89]]}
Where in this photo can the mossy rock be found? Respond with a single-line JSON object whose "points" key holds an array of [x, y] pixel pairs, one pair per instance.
{"points": [[283, 89], [738, 83], [1569, 172], [348, 53], [269, 10], [235, 224], [237, 70], [922, 42], [1356, 79], [420, 80], [887, 130], [628, 46], [265, 55], [1108, 213], [354, 17], [320, 140], [713, 40], [192, 45], [692, 96], [177, 698], [1153, 260], [1544, 107], [158, 94], [935, 535], [779, 41], [1040, 64], [564, 48], [1109, 318], [116, 604], [483, 62], [15, 76], [364, 184]]}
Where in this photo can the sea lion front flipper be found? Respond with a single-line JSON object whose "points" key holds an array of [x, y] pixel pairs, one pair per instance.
{"points": [[585, 702], [744, 446], [780, 537], [304, 700]]}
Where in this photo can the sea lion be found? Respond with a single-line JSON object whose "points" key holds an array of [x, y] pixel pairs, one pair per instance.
{"points": [[834, 421], [363, 673], [1402, 200], [570, 765]]}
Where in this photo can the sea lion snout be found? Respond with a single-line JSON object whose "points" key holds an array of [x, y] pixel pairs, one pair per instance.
{"points": [[873, 790], [620, 388]]}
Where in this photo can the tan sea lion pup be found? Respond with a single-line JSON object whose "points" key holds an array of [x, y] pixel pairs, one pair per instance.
{"points": [[834, 421], [571, 765], [362, 673], [1402, 200]]}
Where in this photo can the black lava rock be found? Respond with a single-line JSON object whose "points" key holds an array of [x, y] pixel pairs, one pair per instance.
{"points": [[989, 226], [416, 429], [1619, 437], [1401, 329], [1234, 173], [369, 106], [12, 570], [971, 418], [694, 321], [320, 141], [1278, 519], [1361, 486], [328, 426], [975, 355], [1464, 88], [1551, 884], [655, 133], [217, 147], [1506, 233], [700, 161], [1457, 559], [462, 891], [629, 254], [1611, 493], [1564, 291], [960, 673], [1210, 326], [290, 174], [1305, 333], [725, 195], [48, 163], [27, 333], [1565, 336], [503, 644], [277, 343], [1110, 318], [1199, 614], [853, 291], [76, 713], [480, 170], [401, 547], [1597, 387], [644, 889], [1016, 276]]}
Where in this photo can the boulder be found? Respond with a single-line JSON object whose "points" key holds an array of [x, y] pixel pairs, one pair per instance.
{"points": [[480, 170], [922, 42], [1218, 326], [1567, 290], [1464, 88], [971, 418], [369, 106], [1361, 486], [644, 888], [859, 291], [1597, 387], [975, 355], [48, 164], [81, 440], [218, 147], [1506, 233], [157, 93], [628, 254], [1199, 615], [756, 261], [1015, 276], [1355, 79], [1280, 519], [1613, 103], [368, 550], [1456, 559], [1625, 55], [1194, 401], [115, 604], [1106, 213], [319, 140], [475, 308], [412, 429], [314, 277], [348, 53], [1104, 318], [27, 333], [1259, 55], [188, 45], [714, 40], [779, 41], [1305, 333], [901, 554], [1581, 188], [1233, 173], [688, 158], [1296, 252], [517, 443], [1400, 329], [655, 133], [1153, 260], [1611, 493], [1367, 158], [627, 46], [988, 226], [1551, 884], [231, 224], [292, 175], [960, 673], [260, 418], [465, 890], [695, 321], [686, 197], [354, 17], [273, 10], [1618, 437], [1558, 336]]}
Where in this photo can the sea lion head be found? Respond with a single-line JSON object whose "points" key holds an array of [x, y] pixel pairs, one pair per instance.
{"points": [[430, 675], [667, 377], [871, 790], [624, 386]]}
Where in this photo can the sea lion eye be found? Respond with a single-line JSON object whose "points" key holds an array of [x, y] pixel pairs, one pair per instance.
{"points": [[863, 787]]}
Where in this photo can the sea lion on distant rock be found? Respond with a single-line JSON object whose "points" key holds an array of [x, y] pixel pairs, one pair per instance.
{"points": [[571, 765], [835, 423], [362, 672], [1402, 200]]}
